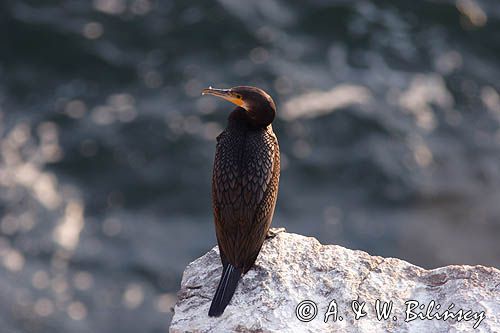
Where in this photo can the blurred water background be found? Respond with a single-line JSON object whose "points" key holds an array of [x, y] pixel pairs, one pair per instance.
{"points": [[389, 116]]}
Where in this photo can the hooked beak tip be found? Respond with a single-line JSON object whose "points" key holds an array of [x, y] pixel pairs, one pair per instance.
{"points": [[206, 91]]}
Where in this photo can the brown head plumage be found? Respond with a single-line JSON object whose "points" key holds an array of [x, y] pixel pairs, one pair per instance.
{"points": [[259, 106]]}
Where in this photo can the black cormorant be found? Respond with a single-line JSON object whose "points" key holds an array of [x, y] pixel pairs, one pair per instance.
{"points": [[244, 185]]}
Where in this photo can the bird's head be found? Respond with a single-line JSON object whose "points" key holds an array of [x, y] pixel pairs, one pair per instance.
{"points": [[259, 106]]}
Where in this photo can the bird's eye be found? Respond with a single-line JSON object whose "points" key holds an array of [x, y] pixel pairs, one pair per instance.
{"points": [[238, 96]]}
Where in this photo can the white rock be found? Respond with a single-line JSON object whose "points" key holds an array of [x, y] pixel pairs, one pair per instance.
{"points": [[292, 268]]}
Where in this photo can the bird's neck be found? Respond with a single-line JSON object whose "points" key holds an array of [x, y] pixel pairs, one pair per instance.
{"points": [[239, 117]]}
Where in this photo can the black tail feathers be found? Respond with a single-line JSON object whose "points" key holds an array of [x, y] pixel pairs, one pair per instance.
{"points": [[227, 285]]}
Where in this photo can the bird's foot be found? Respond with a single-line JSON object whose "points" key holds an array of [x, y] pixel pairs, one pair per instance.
{"points": [[273, 232]]}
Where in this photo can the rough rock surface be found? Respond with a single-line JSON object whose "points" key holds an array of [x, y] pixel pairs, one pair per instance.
{"points": [[292, 268]]}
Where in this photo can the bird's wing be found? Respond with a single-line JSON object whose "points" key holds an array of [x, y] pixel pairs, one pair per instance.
{"points": [[226, 191], [264, 186], [244, 189]]}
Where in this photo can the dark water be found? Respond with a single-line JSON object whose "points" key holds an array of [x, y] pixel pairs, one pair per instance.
{"points": [[389, 132]]}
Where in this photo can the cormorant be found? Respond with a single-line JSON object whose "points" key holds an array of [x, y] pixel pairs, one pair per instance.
{"points": [[244, 185]]}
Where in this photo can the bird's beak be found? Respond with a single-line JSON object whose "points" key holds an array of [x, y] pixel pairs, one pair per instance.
{"points": [[227, 94]]}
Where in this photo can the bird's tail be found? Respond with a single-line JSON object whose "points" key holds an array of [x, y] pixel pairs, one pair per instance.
{"points": [[227, 285]]}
